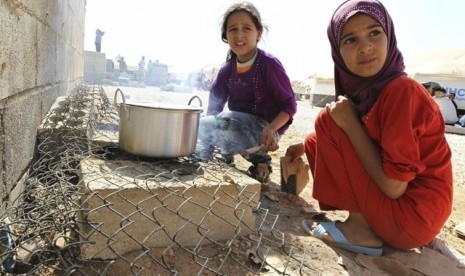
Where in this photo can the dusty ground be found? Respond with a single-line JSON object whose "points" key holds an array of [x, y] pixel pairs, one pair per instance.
{"points": [[293, 209]]}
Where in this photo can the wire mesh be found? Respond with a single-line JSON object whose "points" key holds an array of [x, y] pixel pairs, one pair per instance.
{"points": [[88, 208]]}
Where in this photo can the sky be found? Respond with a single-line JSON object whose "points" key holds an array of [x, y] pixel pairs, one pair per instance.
{"points": [[185, 34]]}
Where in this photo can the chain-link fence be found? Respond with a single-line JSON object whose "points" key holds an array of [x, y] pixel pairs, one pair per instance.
{"points": [[88, 208]]}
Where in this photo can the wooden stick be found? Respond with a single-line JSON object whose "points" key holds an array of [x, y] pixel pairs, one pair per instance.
{"points": [[246, 153]]}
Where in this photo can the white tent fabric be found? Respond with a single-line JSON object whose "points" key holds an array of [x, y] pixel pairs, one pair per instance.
{"points": [[446, 67]]}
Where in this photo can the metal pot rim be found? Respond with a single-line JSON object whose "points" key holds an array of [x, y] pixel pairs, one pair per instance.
{"points": [[164, 106]]}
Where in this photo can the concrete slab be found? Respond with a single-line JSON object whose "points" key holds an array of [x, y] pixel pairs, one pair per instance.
{"points": [[457, 129], [131, 205]]}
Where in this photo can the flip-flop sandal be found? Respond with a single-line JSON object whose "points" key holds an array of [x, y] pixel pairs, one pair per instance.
{"points": [[339, 239]]}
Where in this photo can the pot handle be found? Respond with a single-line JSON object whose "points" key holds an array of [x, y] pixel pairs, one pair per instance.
{"points": [[195, 97], [124, 101]]}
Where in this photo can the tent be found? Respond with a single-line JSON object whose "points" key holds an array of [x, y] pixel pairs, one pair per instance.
{"points": [[446, 67]]}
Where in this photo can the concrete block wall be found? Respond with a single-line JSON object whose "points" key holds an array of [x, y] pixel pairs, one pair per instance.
{"points": [[95, 67], [41, 58]]}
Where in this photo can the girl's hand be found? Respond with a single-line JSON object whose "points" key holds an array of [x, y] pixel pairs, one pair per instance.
{"points": [[295, 151], [268, 139], [343, 112]]}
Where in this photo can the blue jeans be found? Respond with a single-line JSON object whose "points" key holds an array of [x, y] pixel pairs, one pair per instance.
{"points": [[233, 132]]}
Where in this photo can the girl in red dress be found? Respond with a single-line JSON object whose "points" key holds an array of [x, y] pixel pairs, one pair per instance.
{"points": [[379, 150]]}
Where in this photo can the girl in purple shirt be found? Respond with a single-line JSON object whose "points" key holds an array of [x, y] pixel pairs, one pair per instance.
{"points": [[257, 90]]}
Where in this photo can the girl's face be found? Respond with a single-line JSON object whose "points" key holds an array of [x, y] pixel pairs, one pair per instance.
{"points": [[363, 45], [242, 35]]}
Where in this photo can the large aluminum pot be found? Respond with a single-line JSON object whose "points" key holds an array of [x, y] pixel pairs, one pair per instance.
{"points": [[156, 129]]}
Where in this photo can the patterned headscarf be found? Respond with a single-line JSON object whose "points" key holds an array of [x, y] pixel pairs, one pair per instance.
{"points": [[363, 91]]}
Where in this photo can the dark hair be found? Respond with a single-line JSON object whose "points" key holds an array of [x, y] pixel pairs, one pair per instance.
{"points": [[439, 88], [251, 10]]}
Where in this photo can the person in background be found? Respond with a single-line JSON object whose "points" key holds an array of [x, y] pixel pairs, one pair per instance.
{"points": [[460, 115], [258, 93], [122, 65], [98, 40], [451, 96], [141, 64], [379, 150], [149, 78], [448, 110], [200, 80], [430, 86], [139, 75]]}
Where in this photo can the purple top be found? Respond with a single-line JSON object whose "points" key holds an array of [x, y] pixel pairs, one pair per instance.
{"points": [[264, 90], [363, 91]]}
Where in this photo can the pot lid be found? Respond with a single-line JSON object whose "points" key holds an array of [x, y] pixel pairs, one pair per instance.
{"points": [[165, 106]]}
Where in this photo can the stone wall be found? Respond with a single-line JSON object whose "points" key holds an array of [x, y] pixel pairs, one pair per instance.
{"points": [[41, 58], [95, 67]]}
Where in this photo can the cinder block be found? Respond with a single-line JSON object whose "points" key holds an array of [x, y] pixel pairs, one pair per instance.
{"points": [[134, 205], [20, 119], [95, 67]]}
